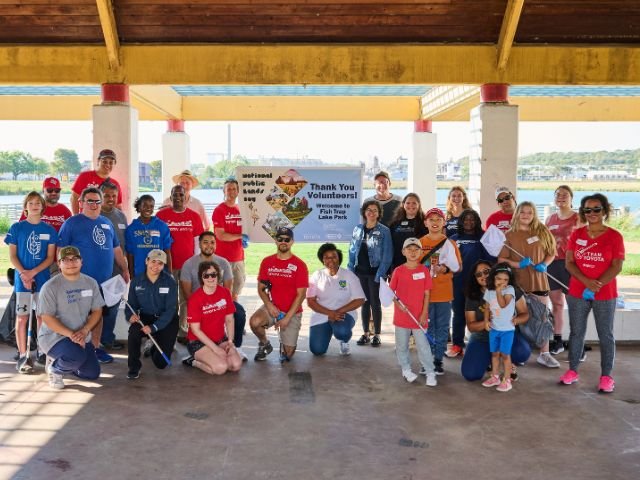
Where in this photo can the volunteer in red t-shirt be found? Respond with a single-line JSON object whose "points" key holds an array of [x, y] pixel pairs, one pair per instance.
{"points": [[282, 285], [507, 203], [185, 226], [595, 254], [227, 225], [95, 178], [55, 213], [211, 324]]}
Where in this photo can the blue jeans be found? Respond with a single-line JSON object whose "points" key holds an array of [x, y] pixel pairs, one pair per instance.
{"points": [[439, 320], [477, 356], [320, 335], [109, 316], [422, 345], [603, 314], [239, 321], [69, 357]]}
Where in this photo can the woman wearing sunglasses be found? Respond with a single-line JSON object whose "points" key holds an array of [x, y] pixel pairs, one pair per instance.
{"points": [[594, 258], [477, 356], [210, 318]]}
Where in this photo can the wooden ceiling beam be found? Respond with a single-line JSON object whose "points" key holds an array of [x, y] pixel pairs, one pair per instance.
{"points": [[508, 31], [110, 32]]}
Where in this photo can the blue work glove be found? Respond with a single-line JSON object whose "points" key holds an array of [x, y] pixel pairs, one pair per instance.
{"points": [[525, 262], [280, 316], [245, 240], [588, 294], [540, 267]]}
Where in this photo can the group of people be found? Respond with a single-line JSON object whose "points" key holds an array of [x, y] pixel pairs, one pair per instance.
{"points": [[186, 280]]}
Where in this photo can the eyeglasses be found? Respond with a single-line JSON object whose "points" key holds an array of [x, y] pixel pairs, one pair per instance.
{"points": [[482, 273], [594, 210], [53, 190], [371, 210], [93, 202], [71, 259], [209, 275], [508, 196], [283, 239]]}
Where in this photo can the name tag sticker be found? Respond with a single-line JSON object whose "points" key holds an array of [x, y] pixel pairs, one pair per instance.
{"points": [[292, 267], [122, 226], [375, 233], [581, 242], [533, 239], [44, 236], [163, 289], [105, 226], [554, 227], [155, 233], [239, 223], [86, 293], [418, 276]]}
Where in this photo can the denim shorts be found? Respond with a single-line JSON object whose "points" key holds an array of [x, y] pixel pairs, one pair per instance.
{"points": [[501, 341]]}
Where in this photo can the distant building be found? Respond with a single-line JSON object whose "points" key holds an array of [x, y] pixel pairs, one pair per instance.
{"points": [[608, 175], [449, 171], [144, 173]]}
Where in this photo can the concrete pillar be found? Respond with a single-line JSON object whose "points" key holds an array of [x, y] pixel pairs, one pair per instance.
{"points": [[115, 126], [175, 154], [493, 159], [423, 167]]}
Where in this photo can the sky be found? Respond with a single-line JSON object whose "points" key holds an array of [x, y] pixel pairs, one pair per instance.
{"points": [[332, 142]]}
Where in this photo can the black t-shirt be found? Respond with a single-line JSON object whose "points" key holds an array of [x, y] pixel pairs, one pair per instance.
{"points": [[451, 227], [400, 232], [364, 267]]}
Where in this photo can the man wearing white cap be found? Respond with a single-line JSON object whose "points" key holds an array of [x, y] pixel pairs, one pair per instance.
{"points": [[502, 218], [189, 182]]}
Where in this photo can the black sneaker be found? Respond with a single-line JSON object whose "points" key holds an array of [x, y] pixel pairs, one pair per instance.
{"points": [[188, 361], [113, 346], [437, 367], [41, 358], [133, 374], [264, 349], [376, 341], [364, 339], [556, 347]]}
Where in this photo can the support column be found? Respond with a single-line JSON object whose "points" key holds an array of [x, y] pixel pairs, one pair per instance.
{"points": [[493, 159], [115, 126], [175, 154], [423, 167]]}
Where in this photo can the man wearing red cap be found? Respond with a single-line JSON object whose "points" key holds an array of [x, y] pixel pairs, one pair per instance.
{"points": [[55, 213], [95, 178]]}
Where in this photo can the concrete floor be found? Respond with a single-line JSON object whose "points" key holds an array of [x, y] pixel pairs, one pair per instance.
{"points": [[319, 418]]}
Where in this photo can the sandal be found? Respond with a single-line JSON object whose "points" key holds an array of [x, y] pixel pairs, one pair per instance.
{"points": [[364, 339], [376, 341]]}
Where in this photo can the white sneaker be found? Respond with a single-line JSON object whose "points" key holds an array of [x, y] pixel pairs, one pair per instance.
{"points": [[243, 355], [432, 380], [345, 348], [547, 360], [409, 376], [55, 379]]}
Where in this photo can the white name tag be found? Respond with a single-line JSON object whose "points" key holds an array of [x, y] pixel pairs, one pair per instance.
{"points": [[239, 223], [375, 233], [122, 226], [418, 276], [533, 239], [154, 233], [292, 267], [554, 227], [404, 223], [581, 242], [86, 293], [104, 225], [163, 290], [44, 236]]}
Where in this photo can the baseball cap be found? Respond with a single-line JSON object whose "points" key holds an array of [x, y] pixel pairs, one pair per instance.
{"points": [[51, 182], [412, 241], [500, 190], [68, 251], [382, 173], [435, 211], [106, 153], [284, 231], [157, 254]]}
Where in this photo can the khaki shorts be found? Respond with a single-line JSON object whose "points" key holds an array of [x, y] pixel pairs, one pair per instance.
{"points": [[239, 276], [288, 336], [23, 301]]}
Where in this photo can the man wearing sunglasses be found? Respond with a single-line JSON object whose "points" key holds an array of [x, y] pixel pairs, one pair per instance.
{"points": [[507, 205], [95, 236], [55, 213], [287, 278]]}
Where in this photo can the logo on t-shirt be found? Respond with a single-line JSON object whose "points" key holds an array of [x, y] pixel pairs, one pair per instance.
{"points": [[98, 236], [342, 284], [214, 307], [33, 244]]}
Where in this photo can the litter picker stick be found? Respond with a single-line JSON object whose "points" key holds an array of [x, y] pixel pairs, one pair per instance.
{"points": [[548, 274], [267, 286], [166, 359], [426, 334]]}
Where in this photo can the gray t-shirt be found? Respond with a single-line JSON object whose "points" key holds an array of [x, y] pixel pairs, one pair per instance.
{"points": [[70, 302], [389, 207], [120, 225], [189, 271]]}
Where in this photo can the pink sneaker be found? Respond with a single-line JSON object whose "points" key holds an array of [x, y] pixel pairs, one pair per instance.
{"points": [[492, 381], [569, 377], [606, 384], [505, 385]]}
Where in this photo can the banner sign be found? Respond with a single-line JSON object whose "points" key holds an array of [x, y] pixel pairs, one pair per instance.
{"points": [[318, 204]]}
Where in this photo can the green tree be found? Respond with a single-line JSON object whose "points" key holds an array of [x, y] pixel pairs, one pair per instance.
{"points": [[156, 173], [16, 162], [65, 162], [40, 167], [227, 168]]}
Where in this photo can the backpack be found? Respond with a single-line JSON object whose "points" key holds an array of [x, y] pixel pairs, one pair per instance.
{"points": [[539, 328]]}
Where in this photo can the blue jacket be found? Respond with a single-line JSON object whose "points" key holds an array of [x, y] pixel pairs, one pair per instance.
{"points": [[159, 298], [379, 247]]}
